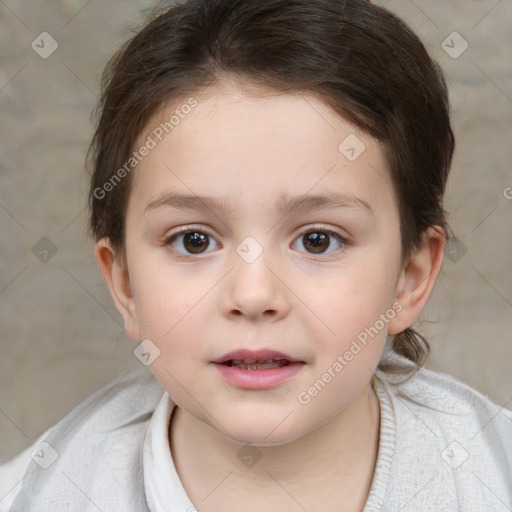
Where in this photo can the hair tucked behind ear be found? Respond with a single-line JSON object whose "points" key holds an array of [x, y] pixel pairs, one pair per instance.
{"points": [[413, 346]]}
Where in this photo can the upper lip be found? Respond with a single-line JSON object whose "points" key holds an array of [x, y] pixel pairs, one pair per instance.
{"points": [[252, 356]]}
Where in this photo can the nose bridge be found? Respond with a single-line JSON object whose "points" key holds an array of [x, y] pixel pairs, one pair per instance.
{"points": [[254, 289]]}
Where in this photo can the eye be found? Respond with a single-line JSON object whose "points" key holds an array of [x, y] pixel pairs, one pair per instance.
{"points": [[319, 241], [192, 242]]}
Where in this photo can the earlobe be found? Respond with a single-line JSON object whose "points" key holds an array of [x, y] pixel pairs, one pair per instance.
{"points": [[115, 274], [417, 279]]}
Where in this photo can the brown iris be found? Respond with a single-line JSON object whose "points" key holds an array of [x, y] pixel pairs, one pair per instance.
{"points": [[316, 242], [196, 243]]}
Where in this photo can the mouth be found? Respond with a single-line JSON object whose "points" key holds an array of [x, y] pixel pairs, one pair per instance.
{"points": [[260, 369], [257, 365], [256, 359]]}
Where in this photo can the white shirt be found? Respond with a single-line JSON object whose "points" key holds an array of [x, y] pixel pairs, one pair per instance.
{"points": [[451, 453]]}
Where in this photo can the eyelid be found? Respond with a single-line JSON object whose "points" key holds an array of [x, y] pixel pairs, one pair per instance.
{"points": [[326, 229], [303, 230], [187, 229]]}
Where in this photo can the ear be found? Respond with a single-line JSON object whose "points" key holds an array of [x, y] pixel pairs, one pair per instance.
{"points": [[115, 273], [417, 279]]}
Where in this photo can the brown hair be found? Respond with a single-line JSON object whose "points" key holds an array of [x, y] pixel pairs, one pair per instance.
{"points": [[356, 57]]}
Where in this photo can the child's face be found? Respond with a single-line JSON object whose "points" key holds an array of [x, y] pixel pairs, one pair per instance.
{"points": [[308, 295]]}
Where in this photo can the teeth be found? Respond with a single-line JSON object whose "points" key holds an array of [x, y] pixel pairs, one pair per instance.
{"points": [[251, 361], [259, 365]]}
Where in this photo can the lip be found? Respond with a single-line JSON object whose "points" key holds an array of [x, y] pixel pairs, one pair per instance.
{"points": [[257, 379]]}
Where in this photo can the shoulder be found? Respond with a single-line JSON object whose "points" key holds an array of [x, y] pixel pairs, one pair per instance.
{"points": [[130, 398], [107, 422], [452, 444], [449, 403]]}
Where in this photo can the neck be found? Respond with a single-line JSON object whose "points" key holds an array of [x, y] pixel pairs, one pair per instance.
{"points": [[337, 462]]}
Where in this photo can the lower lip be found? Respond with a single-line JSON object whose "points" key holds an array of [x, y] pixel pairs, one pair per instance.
{"points": [[258, 379]]}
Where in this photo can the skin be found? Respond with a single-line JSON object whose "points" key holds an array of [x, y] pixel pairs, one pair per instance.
{"points": [[250, 148]]}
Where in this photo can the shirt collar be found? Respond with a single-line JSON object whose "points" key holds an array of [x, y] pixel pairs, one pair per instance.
{"points": [[164, 490]]}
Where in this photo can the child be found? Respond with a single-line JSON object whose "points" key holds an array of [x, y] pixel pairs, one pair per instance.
{"points": [[266, 198]]}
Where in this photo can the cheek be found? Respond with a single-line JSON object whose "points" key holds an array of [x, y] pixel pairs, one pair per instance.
{"points": [[171, 314], [352, 298], [356, 307], [163, 297]]}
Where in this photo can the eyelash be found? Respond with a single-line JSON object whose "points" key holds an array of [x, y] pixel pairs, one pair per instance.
{"points": [[168, 241]]}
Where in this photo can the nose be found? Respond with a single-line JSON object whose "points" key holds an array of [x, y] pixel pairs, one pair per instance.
{"points": [[254, 292]]}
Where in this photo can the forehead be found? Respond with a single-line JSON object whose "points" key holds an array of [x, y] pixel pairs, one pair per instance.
{"points": [[250, 149]]}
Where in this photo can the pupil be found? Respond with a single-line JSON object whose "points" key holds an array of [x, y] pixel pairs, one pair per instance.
{"points": [[196, 242], [316, 242]]}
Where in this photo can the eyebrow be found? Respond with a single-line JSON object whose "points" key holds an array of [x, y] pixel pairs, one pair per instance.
{"points": [[285, 205]]}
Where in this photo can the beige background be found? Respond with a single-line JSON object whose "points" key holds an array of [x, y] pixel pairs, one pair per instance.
{"points": [[60, 335]]}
